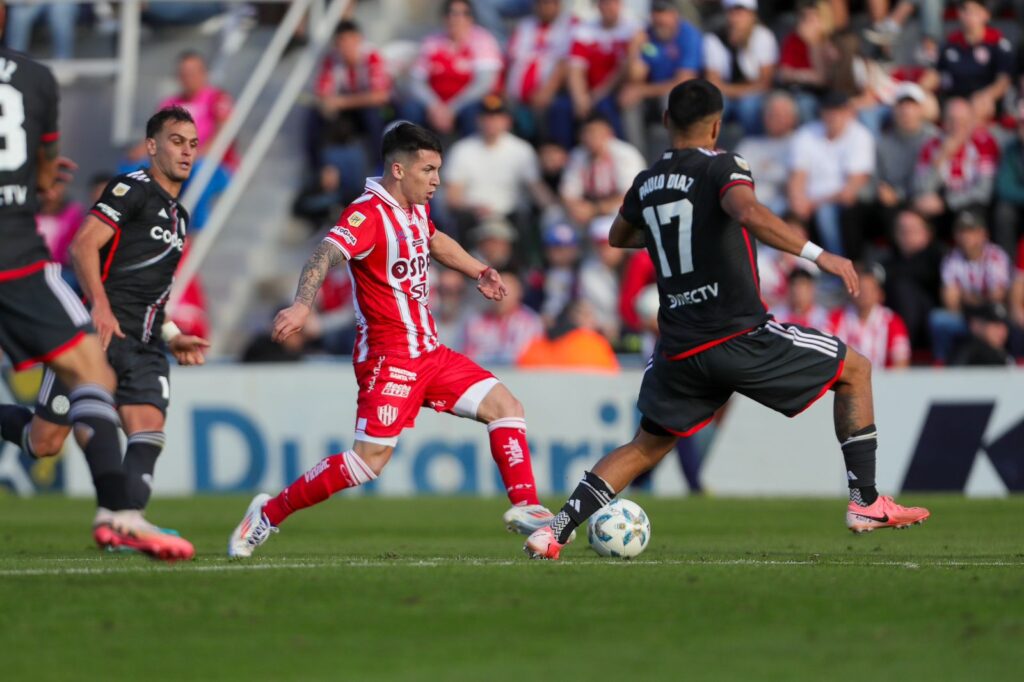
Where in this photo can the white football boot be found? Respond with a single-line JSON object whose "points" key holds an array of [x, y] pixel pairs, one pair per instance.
{"points": [[529, 518], [253, 531]]}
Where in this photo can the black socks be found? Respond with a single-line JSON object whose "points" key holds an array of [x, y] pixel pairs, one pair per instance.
{"points": [[591, 494], [859, 453], [139, 462], [96, 422]]}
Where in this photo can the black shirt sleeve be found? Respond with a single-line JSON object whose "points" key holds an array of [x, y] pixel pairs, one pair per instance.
{"points": [[728, 170], [1003, 57], [120, 201], [50, 97], [632, 210]]}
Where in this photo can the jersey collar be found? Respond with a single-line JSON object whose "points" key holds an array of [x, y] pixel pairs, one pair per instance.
{"points": [[159, 189], [373, 186]]}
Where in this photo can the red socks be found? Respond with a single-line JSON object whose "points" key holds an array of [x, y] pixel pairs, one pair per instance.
{"points": [[328, 476], [512, 455]]}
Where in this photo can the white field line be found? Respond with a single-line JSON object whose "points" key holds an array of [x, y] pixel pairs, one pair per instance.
{"points": [[228, 566]]}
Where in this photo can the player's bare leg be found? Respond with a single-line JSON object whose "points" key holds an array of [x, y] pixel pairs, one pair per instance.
{"points": [[362, 464], [855, 429], [36, 436], [506, 427], [614, 472]]}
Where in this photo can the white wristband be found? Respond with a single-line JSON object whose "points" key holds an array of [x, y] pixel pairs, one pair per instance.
{"points": [[811, 251], [168, 331]]}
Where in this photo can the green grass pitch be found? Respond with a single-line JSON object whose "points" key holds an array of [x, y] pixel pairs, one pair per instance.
{"points": [[434, 589]]}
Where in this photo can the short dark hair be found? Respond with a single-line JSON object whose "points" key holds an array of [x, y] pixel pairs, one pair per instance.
{"points": [[404, 137], [191, 54], [346, 26], [447, 7], [176, 114], [693, 101]]}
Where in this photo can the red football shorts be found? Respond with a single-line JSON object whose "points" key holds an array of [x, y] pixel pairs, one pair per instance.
{"points": [[392, 389]]}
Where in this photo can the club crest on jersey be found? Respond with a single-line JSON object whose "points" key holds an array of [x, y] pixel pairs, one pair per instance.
{"points": [[120, 189], [742, 163], [387, 414], [356, 219]]}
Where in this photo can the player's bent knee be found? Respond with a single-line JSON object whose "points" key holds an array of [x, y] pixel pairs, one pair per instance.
{"points": [[375, 455], [856, 368]]}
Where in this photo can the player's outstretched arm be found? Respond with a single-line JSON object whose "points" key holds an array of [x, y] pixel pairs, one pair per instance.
{"points": [[624, 235], [450, 254], [293, 318], [740, 203], [85, 259]]}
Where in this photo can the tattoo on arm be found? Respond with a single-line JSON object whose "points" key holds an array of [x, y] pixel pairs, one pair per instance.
{"points": [[323, 259]]}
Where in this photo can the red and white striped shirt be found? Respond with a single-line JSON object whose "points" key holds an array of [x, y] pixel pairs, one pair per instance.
{"points": [[975, 160], [533, 52], [490, 338], [981, 277], [448, 67], [600, 49], [388, 252], [815, 317], [338, 78], [882, 338]]}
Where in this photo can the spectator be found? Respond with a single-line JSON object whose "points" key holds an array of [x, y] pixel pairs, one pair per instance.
{"points": [[455, 70], [975, 273], [989, 333], [447, 303], [801, 306], [57, 221], [769, 154], [573, 343], [599, 172], [559, 286], [774, 267], [912, 281], [871, 328], [537, 57], [321, 199], [1017, 290], [599, 278], [600, 57], [807, 52], [956, 169], [741, 61], [500, 333], [60, 17], [977, 61], [210, 108], [493, 241], [638, 274], [900, 147], [671, 53], [1009, 211], [491, 172], [833, 160], [352, 87]]}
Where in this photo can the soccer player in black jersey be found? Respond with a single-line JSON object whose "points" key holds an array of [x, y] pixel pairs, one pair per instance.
{"points": [[696, 213], [125, 255]]}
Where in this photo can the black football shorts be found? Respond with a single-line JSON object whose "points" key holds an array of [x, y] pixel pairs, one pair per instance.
{"points": [[40, 317], [782, 366], [143, 378]]}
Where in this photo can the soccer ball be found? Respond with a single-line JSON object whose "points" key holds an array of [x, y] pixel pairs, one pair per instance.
{"points": [[620, 529]]}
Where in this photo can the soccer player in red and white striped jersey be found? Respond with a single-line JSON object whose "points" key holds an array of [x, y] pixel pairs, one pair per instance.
{"points": [[387, 240]]}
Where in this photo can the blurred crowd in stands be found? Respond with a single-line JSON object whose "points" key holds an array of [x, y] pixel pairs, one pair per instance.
{"points": [[890, 131]]}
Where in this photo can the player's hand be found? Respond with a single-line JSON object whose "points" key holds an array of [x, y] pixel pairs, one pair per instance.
{"points": [[106, 325], [490, 285], [188, 350], [65, 174], [289, 321], [841, 268]]}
